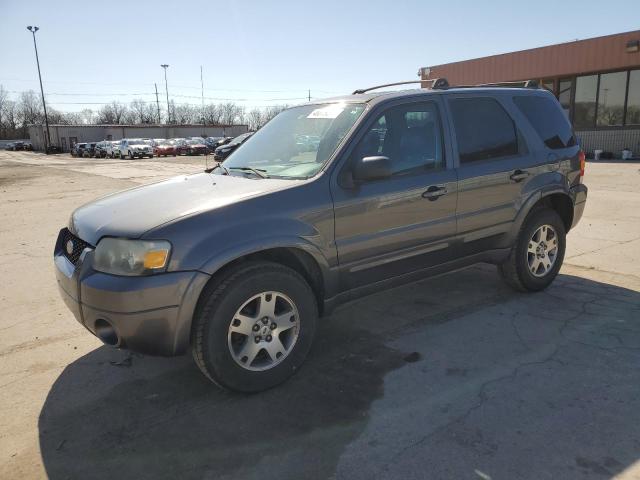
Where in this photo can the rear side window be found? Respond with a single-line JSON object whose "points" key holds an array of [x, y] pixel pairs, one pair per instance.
{"points": [[547, 119], [483, 128]]}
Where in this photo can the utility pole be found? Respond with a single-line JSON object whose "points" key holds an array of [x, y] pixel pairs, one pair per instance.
{"points": [[202, 86], [157, 102], [166, 86], [309, 94], [47, 140]]}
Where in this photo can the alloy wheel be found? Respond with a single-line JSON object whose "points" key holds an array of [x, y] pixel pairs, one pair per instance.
{"points": [[542, 250], [263, 331]]}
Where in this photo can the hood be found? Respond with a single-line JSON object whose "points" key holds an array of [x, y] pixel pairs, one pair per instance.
{"points": [[133, 212]]}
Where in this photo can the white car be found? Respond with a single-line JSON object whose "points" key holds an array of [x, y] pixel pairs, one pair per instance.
{"points": [[136, 147], [113, 148]]}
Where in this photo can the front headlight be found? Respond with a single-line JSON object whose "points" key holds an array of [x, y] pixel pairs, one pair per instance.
{"points": [[119, 256]]}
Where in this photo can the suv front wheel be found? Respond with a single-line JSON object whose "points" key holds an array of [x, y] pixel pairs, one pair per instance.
{"points": [[254, 327], [537, 256]]}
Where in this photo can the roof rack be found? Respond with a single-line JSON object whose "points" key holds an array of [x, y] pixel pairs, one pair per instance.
{"points": [[437, 83], [520, 84]]}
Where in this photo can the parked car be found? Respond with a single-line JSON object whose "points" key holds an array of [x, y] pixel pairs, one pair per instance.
{"points": [[224, 151], [90, 150], [191, 146], [101, 149], [165, 148], [51, 149], [212, 143], [28, 146], [16, 146], [10, 146], [237, 264], [112, 148], [78, 149], [136, 147]]}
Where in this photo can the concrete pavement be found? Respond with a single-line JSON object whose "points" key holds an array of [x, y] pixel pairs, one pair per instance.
{"points": [[451, 377]]}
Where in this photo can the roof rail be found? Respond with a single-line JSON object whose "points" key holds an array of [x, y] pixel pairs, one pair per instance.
{"points": [[520, 84], [437, 83]]}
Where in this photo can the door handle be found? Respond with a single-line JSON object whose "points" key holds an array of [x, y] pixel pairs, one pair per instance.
{"points": [[519, 175], [434, 192]]}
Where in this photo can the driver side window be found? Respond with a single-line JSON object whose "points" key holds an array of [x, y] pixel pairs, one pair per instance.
{"points": [[409, 135]]}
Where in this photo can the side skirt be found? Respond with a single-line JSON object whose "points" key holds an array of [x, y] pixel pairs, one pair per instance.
{"points": [[490, 256]]}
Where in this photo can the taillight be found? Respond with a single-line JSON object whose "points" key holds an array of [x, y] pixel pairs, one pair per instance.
{"points": [[583, 161]]}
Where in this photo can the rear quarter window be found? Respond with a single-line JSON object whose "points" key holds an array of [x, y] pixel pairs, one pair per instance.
{"points": [[548, 120]]}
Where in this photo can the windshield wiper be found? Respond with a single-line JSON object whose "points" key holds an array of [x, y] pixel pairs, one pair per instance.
{"points": [[219, 165], [257, 171]]}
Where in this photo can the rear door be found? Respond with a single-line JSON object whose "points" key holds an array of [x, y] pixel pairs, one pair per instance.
{"points": [[397, 225], [492, 158]]}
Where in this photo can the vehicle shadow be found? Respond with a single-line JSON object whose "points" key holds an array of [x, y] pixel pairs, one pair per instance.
{"points": [[112, 414]]}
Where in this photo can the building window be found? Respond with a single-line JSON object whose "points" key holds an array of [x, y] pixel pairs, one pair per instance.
{"points": [[483, 129], [564, 94], [611, 95], [585, 101], [633, 99]]}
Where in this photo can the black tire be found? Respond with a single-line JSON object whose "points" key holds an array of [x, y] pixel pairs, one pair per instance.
{"points": [[216, 309], [515, 270]]}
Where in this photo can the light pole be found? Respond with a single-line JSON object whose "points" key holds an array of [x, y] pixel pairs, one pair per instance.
{"points": [[166, 86], [47, 140]]}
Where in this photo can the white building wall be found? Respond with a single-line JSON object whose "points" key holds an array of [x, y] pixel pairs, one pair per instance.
{"points": [[62, 135]]}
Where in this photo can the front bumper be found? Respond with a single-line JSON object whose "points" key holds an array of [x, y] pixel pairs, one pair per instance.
{"points": [[579, 196], [149, 314]]}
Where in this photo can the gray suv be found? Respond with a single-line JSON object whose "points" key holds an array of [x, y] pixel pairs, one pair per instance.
{"points": [[238, 263]]}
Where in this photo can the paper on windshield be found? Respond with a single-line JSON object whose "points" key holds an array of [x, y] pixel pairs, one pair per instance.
{"points": [[330, 111]]}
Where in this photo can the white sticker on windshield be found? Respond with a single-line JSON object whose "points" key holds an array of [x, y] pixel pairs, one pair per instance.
{"points": [[330, 111]]}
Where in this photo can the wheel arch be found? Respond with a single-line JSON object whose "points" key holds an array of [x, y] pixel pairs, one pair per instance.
{"points": [[310, 264], [557, 200]]}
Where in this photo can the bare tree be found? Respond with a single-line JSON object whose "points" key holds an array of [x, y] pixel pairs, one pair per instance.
{"points": [[185, 114], [272, 111], [87, 116], [112, 114], [4, 98], [255, 117], [29, 111], [229, 112], [144, 112], [212, 114]]}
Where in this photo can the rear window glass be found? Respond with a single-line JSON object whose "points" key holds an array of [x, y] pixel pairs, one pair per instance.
{"points": [[483, 128], [547, 119]]}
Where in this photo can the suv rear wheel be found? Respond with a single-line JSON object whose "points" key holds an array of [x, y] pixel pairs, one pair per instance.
{"points": [[253, 329], [537, 256]]}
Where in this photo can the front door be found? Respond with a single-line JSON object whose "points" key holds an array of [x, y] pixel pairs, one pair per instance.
{"points": [[404, 223]]}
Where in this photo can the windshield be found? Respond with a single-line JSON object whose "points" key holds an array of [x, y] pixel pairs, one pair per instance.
{"points": [[195, 141], [298, 141]]}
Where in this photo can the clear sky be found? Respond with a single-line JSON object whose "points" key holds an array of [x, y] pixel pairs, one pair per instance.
{"points": [[265, 52]]}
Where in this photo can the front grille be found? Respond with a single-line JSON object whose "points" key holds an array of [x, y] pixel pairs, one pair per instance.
{"points": [[77, 246]]}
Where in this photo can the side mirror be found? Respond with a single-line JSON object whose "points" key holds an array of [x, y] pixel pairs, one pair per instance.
{"points": [[372, 168]]}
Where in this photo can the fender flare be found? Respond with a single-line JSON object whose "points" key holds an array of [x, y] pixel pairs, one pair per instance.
{"points": [[222, 258], [528, 205]]}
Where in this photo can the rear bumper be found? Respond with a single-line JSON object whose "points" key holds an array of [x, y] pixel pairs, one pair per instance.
{"points": [[579, 196], [150, 314]]}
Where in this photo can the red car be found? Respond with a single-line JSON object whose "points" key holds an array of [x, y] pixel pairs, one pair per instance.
{"points": [[191, 146], [165, 148]]}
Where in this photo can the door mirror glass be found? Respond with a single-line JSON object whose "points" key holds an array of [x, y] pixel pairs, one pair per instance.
{"points": [[372, 168]]}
